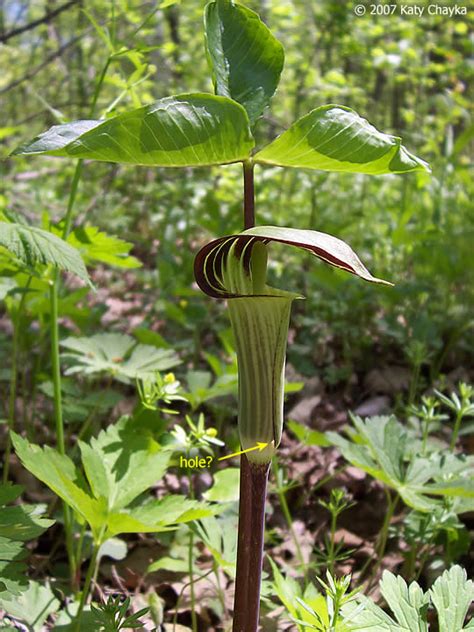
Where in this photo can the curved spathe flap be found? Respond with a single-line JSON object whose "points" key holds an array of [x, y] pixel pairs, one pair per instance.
{"points": [[211, 261]]}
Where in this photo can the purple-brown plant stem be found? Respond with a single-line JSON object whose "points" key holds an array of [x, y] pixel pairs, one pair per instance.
{"points": [[249, 195], [253, 492]]}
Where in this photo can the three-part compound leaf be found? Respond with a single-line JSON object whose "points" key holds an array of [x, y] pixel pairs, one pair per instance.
{"points": [[187, 130], [335, 138], [246, 59], [34, 246]]}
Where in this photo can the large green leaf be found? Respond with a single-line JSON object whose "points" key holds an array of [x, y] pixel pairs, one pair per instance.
{"points": [[34, 246], [58, 472], [158, 515], [187, 130], [335, 138], [120, 464], [245, 58], [226, 486]]}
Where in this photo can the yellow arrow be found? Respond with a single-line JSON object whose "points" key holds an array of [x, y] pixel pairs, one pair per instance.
{"points": [[260, 446]]}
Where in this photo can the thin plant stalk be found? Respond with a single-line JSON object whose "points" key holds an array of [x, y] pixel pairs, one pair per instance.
{"points": [[249, 195], [392, 502], [14, 380], [332, 542], [253, 490], [56, 372], [220, 591], [194, 622], [80, 544], [91, 572], [59, 422], [180, 596], [457, 426], [414, 383], [54, 332], [289, 521], [191, 581]]}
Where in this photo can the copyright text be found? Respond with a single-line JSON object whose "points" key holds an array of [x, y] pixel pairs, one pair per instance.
{"points": [[411, 10]]}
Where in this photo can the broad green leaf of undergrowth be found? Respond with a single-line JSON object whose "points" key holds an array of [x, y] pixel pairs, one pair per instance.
{"points": [[157, 515], [121, 464], [96, 246], [452, 595], [219, 533], [33, 246], [307, 435], [59, 473], [32, 607], [9, 493], [246, 60], [202, 387], [381, 447], [226, 486], [287, 589], [408, 603], [6, 284], [77, 405], [117, 355], [188, 130], [335, 138], [67, 619], [18, 523]]}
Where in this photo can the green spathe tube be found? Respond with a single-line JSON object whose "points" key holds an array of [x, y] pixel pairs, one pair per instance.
{"points": [[260, 325], [234, 267], [260, 319]]}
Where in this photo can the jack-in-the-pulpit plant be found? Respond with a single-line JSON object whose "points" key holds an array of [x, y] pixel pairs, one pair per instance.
{"points": [[235, 268], [190, 130]]}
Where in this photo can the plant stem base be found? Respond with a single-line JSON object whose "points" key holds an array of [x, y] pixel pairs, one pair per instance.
{"points": [[253, 491]]}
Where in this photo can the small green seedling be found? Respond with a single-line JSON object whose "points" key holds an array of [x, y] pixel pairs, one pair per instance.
{"points": [[333, 551], [461, 406], [111, 616]]}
